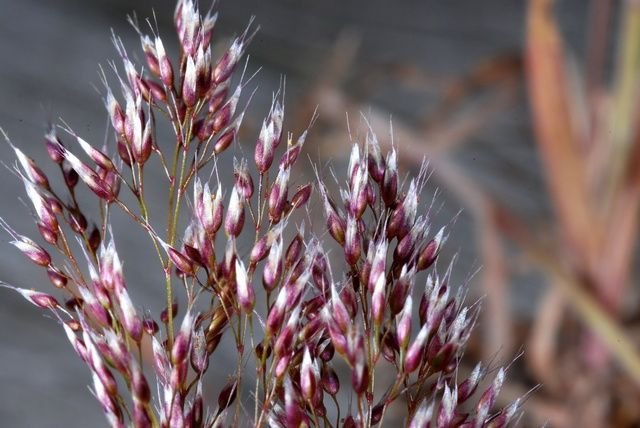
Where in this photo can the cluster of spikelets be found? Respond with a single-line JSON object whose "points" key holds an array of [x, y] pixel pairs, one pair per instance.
{"points": [[311, 348]]}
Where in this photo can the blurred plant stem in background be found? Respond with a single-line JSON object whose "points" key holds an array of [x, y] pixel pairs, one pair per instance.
{"points": [[589, 168]]}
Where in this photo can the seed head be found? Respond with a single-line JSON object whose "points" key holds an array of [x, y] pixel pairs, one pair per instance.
{"points": [[53, 144], [130, 319], [422, 417], [278, 196], [32, 171], [189, 85], [352, 246], [102, 160], [227, 63], [309, 374], [376, 164], [32, 251], [44, 212], [273, 267], [269, 139], [378, 300], [199, 355], [234, 221], [389, 189], [488, 399], [302, 195], [164, 64], [246, 296], [57, 278], [243, 180], [182, 341], [336, 225], [111, 268], [415, 352], [90, 178], [404, 321], [37, 298]]}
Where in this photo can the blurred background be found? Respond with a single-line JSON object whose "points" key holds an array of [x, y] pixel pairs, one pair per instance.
{"points": [[527, 111]]}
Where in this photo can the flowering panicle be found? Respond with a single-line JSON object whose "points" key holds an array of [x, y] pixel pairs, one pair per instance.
{"points": [[306, 338]]}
